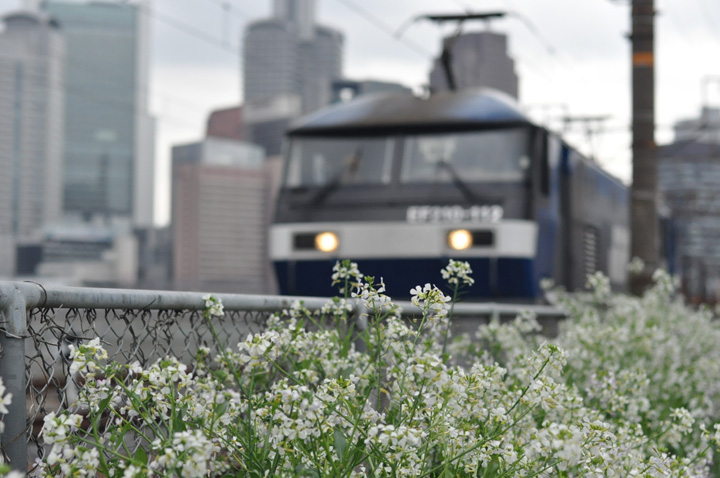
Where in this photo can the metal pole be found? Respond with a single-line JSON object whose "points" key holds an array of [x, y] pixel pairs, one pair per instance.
{"points": [[644, 221], [12, 370], [36, 295]]}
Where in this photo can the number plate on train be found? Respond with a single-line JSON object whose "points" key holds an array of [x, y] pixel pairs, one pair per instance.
{"points": [[454, 214]]}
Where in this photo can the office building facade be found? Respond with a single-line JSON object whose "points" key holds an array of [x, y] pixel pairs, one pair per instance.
{"points": [[220, 209], [108, 151], [478, 59], [31, 130], [689, 185], [289, 55]]}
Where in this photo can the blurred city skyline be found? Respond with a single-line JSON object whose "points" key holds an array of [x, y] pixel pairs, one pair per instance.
{"points": [[572, 58]]}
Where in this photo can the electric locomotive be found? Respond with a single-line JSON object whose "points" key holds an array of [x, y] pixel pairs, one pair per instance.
{"points": [[400, 184]]}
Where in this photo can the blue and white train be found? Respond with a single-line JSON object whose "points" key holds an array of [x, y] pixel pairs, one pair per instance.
{"points": [[400, 184]]}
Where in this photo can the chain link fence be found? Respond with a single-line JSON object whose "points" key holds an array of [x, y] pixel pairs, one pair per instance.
{"points": [[38, 324]]}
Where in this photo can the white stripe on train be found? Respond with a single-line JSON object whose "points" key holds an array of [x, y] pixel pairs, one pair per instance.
{"points": [[368, 240]]}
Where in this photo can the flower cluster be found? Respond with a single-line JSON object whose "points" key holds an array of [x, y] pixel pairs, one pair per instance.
{"points": [[87, 358], [347, 274], [431, 300], [647, 364], [458, 273], [213, 306], [57, 431], [337, 307], [621, 392], [371, 294]]}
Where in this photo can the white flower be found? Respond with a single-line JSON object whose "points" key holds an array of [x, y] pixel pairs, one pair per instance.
{"points": [[636, 266], [259, 349], [214, 306], [372, 294], [346, 272], [86, 358], [57, 427], [682, 419], [132, 471], [592, 403], [337, 307], [458, 272], [431, 301]]}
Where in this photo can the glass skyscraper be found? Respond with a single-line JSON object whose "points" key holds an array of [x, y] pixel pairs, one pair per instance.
{"points": [[108, 152]]}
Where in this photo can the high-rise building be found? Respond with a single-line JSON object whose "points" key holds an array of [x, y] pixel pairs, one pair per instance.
{"points": [[477, 59], [31, 130], [289, 55], [108, 155], [220, 212], [689, 184], [705, 129]]}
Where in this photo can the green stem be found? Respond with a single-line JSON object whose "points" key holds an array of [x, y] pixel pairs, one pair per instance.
{"points": [[450, 315]]}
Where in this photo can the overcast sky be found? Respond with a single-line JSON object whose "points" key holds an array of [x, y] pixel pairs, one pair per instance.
{"points": [[572, 57]]}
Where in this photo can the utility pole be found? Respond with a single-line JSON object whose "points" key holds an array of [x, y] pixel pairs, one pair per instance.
{"points": [[643, 210]]}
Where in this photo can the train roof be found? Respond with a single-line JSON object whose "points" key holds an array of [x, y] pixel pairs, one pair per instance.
{"points": [[383, 113]]}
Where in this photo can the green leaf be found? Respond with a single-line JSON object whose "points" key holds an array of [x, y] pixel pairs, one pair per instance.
{"points": [[103, 404], [340, 443], [141, 456], [222, 408], [301, 471], [493, 468]]}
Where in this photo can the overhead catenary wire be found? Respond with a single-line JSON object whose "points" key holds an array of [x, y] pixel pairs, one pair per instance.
{"points": [[529, 24], [173, 23], [360, 10], [675, 14], [227, 6], [227, 10], [678, 147], [381, 25], [198, 34], [203, 36], [188, 29], [108, 99], [707, 17], [550, 49], [105, 97]]}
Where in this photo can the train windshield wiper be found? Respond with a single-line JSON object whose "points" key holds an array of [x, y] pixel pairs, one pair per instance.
{"points": [[459, 183], [350, 166]]}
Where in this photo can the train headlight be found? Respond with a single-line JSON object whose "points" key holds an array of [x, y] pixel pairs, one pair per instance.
{"points": [[460, 239], [326, 241]]}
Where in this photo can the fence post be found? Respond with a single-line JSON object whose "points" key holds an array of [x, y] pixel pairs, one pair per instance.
{"points": [[13, 440]]}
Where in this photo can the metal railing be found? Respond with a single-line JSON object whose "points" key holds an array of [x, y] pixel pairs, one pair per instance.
{"points": [[38, 323]]}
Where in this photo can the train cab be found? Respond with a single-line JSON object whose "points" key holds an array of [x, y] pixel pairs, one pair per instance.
{"points": [[400, 184]]}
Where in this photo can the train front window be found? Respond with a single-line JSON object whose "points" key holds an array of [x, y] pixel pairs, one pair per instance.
{"points": [[323, 161], [486, 156]]}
